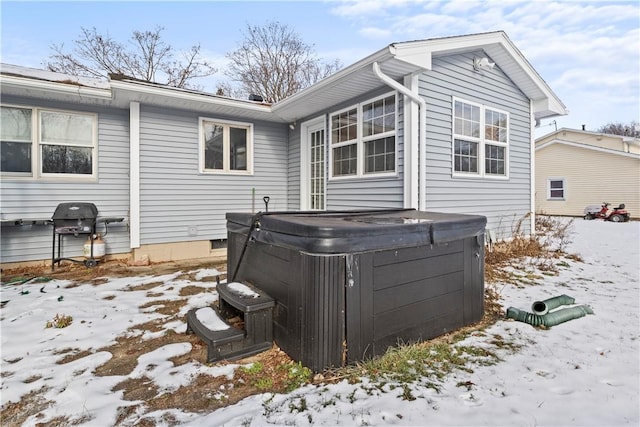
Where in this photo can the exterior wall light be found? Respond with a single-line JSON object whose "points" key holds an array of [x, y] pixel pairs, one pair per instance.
{"points": [[482, 63]]}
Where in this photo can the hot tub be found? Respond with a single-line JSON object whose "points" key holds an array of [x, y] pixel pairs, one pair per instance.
{"points": [[347, 285]]}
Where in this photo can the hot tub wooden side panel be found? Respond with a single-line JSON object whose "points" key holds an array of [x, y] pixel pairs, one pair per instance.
{"points": [[308, 319], [413, 294]]}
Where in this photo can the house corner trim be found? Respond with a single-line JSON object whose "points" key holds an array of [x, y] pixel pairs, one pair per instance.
{"points": [[134, 174]]}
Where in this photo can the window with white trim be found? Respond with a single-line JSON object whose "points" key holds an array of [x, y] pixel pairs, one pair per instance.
{"points": [[41, 143], [226, 147], [480, 140], [363, 139], [556, 188]]}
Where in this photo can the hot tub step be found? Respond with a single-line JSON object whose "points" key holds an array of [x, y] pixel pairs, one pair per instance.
{"points": [[224, 341], [212, 329]]}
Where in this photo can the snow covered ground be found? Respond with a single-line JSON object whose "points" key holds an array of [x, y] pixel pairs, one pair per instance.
{"points": [[582, 372]]}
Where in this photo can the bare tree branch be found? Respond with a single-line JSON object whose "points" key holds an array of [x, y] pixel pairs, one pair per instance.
{"points": [[274, 62], [624, 129], [147, 58]]}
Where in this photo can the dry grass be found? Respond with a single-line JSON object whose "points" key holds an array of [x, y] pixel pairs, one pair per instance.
{"points": [[505, 261], [274, 370], [16, 413]]}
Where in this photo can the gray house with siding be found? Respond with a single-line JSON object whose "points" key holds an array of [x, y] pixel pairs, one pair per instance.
{"points": [[441, 125]]}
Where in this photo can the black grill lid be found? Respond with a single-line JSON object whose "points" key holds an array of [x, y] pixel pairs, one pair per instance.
{"points": [[75, 210]]}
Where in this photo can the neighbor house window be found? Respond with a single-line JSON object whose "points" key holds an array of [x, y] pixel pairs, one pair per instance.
{"points": [[556, 189], [47, 143], [363, 138], [480, 140], [226, 146]]}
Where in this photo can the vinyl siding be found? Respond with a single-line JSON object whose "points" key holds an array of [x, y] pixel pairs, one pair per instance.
{"points": [[177, 203], [38, 199], [591, 177], [353, 193], [370, 192], [502, 201], [293, 182]]}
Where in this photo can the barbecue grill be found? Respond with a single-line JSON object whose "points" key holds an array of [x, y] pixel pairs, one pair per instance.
{"points": [[77, 218]]}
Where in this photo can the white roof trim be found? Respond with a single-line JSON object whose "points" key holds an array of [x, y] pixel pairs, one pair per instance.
{"points": [[186, 95], [419, 55], [53, 76], [412, 54], [628, 139], [330, 81], [588, 147], [397, 60], [491, 41], [66, 88]]}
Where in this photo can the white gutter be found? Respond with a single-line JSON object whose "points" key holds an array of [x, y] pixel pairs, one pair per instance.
{"points": [[422, 120], [55, 87], [188, 96]]}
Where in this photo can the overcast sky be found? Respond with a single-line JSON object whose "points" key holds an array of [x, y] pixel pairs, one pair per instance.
{"points": [[587, 51]]}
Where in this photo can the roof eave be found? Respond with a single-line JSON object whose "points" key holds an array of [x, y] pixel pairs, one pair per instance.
{"points": [[129, 91], [345, 73], [545, 102], [545, 108], [419, 55], [548, 104], [587, 147], [27, 83]]}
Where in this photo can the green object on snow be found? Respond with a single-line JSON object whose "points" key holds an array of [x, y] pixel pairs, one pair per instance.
{"points": [[543, 307], [544, 316], [25, 280], [551, 318], [60, 298], [18, 281]]}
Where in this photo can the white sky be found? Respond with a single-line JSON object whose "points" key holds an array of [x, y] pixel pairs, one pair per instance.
{"points": [[587, 51]]}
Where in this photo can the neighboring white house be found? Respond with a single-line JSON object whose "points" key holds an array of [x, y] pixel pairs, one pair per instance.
{"points": [[577, 168], [442, 124]]}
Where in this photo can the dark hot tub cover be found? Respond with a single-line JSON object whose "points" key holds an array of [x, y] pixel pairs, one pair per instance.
{"points": [[333, 232]]}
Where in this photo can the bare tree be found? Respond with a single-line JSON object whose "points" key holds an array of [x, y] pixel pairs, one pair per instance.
{"points": [[226, 88], [147, 58], [624, 129], [274, 62]]}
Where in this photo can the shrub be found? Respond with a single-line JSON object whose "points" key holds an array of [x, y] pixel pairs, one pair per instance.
{"points": [[60, 321]]}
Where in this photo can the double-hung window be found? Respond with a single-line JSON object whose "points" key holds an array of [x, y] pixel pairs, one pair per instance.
{"points": [[226, 147], [363, 139], [480, 140], [43, 143], [555, 189]]}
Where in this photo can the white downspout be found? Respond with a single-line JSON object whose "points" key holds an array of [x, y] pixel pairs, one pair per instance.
{"points": [[532, 165], [422, 120]]}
